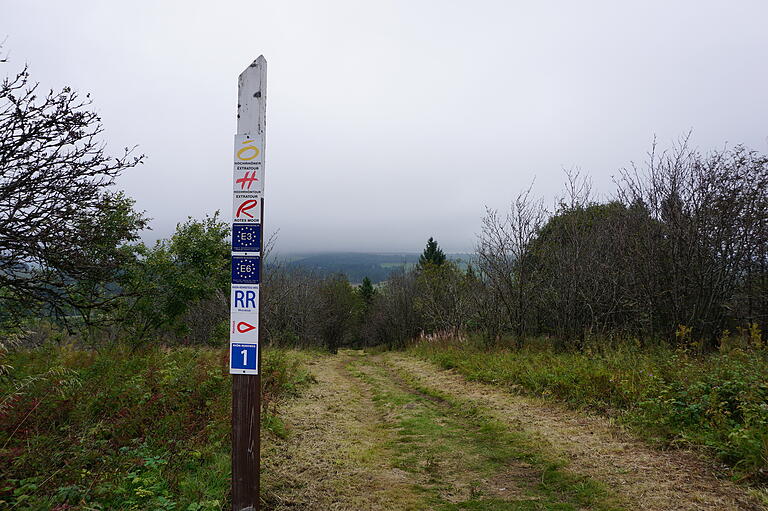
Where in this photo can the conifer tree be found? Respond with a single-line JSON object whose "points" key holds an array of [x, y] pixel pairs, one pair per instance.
{"points": [[367, 291], [432, 255]]}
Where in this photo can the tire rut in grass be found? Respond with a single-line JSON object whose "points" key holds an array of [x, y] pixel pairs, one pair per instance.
{"points": [[461, 459]]}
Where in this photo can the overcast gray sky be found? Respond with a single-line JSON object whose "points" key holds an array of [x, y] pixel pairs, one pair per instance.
{"points": [[389, 122]]}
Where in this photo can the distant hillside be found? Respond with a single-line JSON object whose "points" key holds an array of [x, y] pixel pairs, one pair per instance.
{"points": [[356, 266]]}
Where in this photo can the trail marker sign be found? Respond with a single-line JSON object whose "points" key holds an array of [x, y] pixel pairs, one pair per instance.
{"points": [[246, 269], [246, 237], [247, 249], [245, 210], [245, 357], [244, 298]]}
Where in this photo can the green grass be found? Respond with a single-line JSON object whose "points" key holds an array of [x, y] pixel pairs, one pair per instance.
{"points": [[719, 401], [119, 430], [450, 443]]}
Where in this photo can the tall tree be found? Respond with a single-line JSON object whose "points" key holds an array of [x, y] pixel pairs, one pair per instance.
{"points": [[432, 254], [60, 225], [366, 291]]}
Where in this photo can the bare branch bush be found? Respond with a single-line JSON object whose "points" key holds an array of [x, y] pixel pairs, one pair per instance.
{"points": [[504, 259], [706, 254]]}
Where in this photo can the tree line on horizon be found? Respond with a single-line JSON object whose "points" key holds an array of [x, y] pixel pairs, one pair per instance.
{"points": [[678, 253]]}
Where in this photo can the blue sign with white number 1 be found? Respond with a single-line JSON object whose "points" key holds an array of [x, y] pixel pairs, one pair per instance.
{"points": [[243, 358]]}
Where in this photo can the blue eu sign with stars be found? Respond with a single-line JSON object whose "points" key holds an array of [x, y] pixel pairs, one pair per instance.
{"points": [[246, 237], [245, 269]]}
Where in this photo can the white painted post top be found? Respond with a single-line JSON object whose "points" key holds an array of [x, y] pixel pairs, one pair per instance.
{"points": [[252, 98]]}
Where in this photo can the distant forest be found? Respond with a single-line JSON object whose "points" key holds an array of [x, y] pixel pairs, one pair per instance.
{"points": [[356, 266]]}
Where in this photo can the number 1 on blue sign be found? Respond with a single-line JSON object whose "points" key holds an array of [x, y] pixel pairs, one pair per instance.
{"points": [[243, 358]]}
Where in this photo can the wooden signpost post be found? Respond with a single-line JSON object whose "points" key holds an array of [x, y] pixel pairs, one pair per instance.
{"points": [[247, 250]]}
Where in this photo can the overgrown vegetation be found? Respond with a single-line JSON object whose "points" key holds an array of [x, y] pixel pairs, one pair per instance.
{"points": [[672, 396], [682, 241], [112, 429]]}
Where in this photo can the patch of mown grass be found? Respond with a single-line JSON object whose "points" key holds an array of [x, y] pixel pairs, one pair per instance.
{"points": [[456, 449], [143, 430], [719, 400], [498, 445]]}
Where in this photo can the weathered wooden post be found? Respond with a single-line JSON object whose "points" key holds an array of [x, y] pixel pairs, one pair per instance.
{"points": [[247, 250]]}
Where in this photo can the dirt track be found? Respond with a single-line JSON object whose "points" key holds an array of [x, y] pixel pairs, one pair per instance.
{"points": [[390, 432]]}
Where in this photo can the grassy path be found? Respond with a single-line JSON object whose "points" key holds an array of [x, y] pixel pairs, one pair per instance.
{"points": [[335, 454], [389, 432], [649, 479]]}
